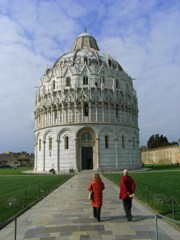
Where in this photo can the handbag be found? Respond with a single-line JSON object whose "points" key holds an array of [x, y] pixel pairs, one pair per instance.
{"points": [[90, 196], [131, 195]]}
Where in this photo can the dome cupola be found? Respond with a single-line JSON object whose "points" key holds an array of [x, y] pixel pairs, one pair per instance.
{"points": [[85, 40]]}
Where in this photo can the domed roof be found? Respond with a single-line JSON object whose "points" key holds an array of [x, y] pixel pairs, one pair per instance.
{"points": [[86, 50], [85, 40]]}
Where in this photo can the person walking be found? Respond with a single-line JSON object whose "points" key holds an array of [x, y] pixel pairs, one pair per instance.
{"points": [[127, 187], [97, 187]]}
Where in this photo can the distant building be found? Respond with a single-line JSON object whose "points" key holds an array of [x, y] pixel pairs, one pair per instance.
{"points": [[86, 113], [168, 154], [20, 159]]}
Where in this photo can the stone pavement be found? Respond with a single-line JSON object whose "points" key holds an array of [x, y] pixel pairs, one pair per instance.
{"points": [[66, 214]]}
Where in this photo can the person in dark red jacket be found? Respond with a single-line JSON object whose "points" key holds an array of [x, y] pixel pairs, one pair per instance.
{"points": [[97, 186], [127, 187]]}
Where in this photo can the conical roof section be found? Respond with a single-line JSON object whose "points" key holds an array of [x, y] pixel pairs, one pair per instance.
{"points": [[85, 40]]}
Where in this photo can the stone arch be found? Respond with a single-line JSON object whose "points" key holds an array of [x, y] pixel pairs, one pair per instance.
{"points": [[106, 130], [65, 154], [123, 135], [134, 136], [37, 136], [86, 149], [85, 129], [66, 129], [46, 134], [106, 136]]}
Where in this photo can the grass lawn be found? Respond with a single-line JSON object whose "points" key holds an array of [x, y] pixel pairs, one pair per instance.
{"points": [[17, 192], [13, 171], [156, 188]]}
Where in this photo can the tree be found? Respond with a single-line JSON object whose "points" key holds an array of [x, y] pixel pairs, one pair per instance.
{"points": [[156, 141]]}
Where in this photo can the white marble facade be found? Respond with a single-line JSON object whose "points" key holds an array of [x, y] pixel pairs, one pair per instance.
{"points": [[86, 113]]}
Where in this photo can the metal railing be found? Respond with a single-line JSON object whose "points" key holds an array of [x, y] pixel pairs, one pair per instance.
{"points": [[167, 204], [156, 223]]}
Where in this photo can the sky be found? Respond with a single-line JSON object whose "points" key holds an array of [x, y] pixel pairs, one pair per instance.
{"points": [[142, 35]]}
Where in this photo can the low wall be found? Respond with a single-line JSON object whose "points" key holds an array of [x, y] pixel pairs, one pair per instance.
{"points": [[166, 155]]}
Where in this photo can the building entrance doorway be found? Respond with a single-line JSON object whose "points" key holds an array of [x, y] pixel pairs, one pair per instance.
{"points": [[87, 158]]}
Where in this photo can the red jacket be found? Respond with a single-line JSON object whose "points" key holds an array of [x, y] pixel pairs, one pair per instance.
{"points": [[97, 187], [127, 186]]}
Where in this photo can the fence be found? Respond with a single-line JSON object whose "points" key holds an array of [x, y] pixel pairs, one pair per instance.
{"points": [[156, 223], [14, 205], [163, 203]]}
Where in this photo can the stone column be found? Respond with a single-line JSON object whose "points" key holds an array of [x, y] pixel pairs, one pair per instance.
{"points": [[58, 155], [109, 112], [44, 157], [75, 113], [130, 153], [48, 113], [97, 153], [52, 116], [96, 113], [82, 112], [68, 113], [60, 115], [48, 116], [35, 156], [114, 112], [77, 158], [62, 119], [89, 112], [103, 112], [116, 151]]}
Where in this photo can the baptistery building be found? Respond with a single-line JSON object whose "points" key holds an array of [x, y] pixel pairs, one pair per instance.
{"points": [[86, 113]]}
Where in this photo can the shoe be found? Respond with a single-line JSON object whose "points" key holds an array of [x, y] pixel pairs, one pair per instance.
{"points": [[129, 218]]}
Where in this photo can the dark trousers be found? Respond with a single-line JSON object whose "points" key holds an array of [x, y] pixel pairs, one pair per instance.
{"points": [[97, 213], [127, 203]]}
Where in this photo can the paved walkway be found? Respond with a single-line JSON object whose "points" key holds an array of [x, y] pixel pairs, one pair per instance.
{"points": [[66, 214]]}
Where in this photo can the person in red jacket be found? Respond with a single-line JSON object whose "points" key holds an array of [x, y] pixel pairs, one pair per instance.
{"points": [[97, 186], [127, 187]]}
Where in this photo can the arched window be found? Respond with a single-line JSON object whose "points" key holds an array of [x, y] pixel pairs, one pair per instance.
{"points": [[133, 143], [86, 110], [102, 79], [86, 136], [85, 80], [106, 141], [68, 81], [50, 143], [66, 143], [85, 60], [55, 114], [109, 63], [53, 85], [117, 111], [123, 142], [117, 83], [39, 144]]}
